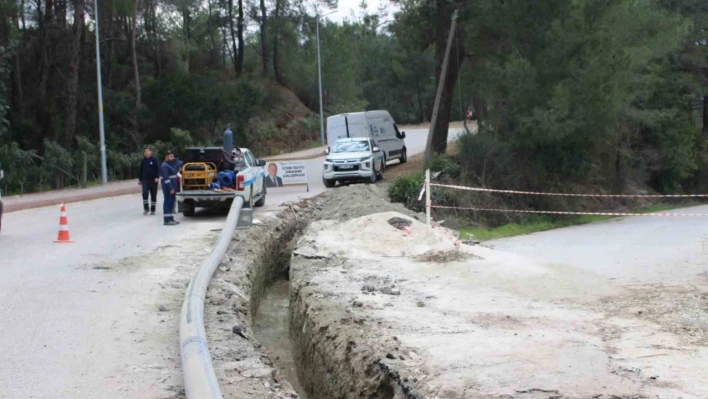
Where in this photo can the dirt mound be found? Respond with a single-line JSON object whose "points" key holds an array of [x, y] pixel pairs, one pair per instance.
{"points": [[290, 107], [349, 202], [372, 236]]}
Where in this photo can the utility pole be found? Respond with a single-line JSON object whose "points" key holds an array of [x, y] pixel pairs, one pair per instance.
{"points": [[438, 95], [319, 73], [319, 79], [104, 169]]}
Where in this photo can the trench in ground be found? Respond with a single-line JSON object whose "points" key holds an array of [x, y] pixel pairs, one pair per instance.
{"points": [[314, 365], [270, 298], [271, 325]]}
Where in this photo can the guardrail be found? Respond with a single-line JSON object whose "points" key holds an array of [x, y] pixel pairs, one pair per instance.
{"points": [[199, 378]]}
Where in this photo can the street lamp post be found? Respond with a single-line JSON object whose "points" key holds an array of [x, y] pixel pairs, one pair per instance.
{"points": [[319, 74], [319, 78], [104, 169]]}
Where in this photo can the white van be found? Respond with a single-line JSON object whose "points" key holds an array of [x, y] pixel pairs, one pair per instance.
{"points": [[376, 125]]}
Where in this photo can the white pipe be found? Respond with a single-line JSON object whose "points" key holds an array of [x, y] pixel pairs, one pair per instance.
{"points": [[199, 379]]}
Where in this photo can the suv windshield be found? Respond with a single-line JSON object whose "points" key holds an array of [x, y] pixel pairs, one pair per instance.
{"points": [[351, 146]]}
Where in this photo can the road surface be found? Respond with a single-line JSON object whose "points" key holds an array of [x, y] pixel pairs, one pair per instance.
{"points": [[635, 290], [98, 318]]}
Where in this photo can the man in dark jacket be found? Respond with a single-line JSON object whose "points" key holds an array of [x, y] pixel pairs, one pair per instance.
{"points": [[149, 177], [168, 175]]}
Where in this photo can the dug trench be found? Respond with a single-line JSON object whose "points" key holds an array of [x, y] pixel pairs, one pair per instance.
{"points": [[348, 296], [248, 315]]}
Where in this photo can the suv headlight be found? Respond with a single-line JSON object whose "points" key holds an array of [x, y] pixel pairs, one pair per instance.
{"points": [[328, 160], [367, 158]]}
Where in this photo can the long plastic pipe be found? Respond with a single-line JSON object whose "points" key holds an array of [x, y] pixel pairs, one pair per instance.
{"points": [[199, 379]]}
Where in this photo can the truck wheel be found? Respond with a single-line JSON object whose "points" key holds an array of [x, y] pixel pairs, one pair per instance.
{"points": [[404, 155], [379, 175], [188, 209], [374, 176], [261, 201], [329, 183]]}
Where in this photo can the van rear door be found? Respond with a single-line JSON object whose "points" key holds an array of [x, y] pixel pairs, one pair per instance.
{"points": [[336, 128]]}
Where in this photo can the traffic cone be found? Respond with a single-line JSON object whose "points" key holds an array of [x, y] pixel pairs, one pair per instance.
{"points": [[63, 227]]}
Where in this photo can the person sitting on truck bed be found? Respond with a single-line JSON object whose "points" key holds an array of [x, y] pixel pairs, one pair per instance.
{"points": [[238, 159]]}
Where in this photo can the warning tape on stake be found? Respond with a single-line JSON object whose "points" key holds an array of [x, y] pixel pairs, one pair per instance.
{"points": [[491, 190], [572, 213]]}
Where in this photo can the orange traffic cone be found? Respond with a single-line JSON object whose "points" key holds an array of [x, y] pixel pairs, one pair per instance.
{"points": [[63, 227]]}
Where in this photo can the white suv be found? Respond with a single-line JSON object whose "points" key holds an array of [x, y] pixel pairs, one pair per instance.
{"points": [[353, 159]]}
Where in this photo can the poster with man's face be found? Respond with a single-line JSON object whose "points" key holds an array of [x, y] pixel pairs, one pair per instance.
{"points": [[272, 178], [285, 173]]}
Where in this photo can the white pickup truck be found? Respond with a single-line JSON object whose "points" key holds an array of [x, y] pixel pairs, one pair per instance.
{"points": [[210, 180]]}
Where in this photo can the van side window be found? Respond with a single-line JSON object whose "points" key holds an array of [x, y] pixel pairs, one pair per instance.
{"points": [[398, 132]]}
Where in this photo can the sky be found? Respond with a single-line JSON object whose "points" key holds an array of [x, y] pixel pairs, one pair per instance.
{"points": [[347, 7]]}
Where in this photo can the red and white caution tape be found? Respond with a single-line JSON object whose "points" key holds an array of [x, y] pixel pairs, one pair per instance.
{"points": [[491, 190], [657, 214]]}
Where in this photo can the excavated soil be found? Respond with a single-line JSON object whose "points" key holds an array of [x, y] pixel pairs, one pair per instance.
{"points": [[369, 317], [381, 308]]}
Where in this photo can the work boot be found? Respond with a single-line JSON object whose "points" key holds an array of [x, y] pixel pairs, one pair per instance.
{"points": [[145, 213], [151, 213], [171, 223]]}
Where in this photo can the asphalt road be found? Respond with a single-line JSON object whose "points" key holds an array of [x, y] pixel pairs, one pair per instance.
{"points": [[79, 320], [636, 250]]}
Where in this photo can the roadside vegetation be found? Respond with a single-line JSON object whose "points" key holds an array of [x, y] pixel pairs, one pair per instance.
{"points": [[575, 97], [539, 223], [570, 96]]}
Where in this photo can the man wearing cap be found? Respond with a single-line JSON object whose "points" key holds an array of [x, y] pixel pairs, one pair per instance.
{"points": [[168, 178]]}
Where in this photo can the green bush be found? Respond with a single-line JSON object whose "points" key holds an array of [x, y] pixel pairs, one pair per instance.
{"points": [[406, 189]]}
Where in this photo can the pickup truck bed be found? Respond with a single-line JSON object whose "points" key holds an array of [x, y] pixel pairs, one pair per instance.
{"points": [[189, 200]]}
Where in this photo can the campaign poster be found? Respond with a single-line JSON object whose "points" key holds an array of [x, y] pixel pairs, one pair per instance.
{"points": [[285, 173]]}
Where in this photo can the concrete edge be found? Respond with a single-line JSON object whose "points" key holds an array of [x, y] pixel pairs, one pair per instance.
{"points": [[78, 197], [200, 381]]}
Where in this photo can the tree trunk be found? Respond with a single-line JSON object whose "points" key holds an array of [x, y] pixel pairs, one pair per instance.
{"points": [[705, 114], [234, 52], [440, 132], [186, 33], [16, 75], [214, 53], [111, 47], [134, 54], [73, 81], [22, 14], [45, 65], [241, 45], [225, 51], [60, 13], [276, 43], [421, 107], [264, 38]]}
